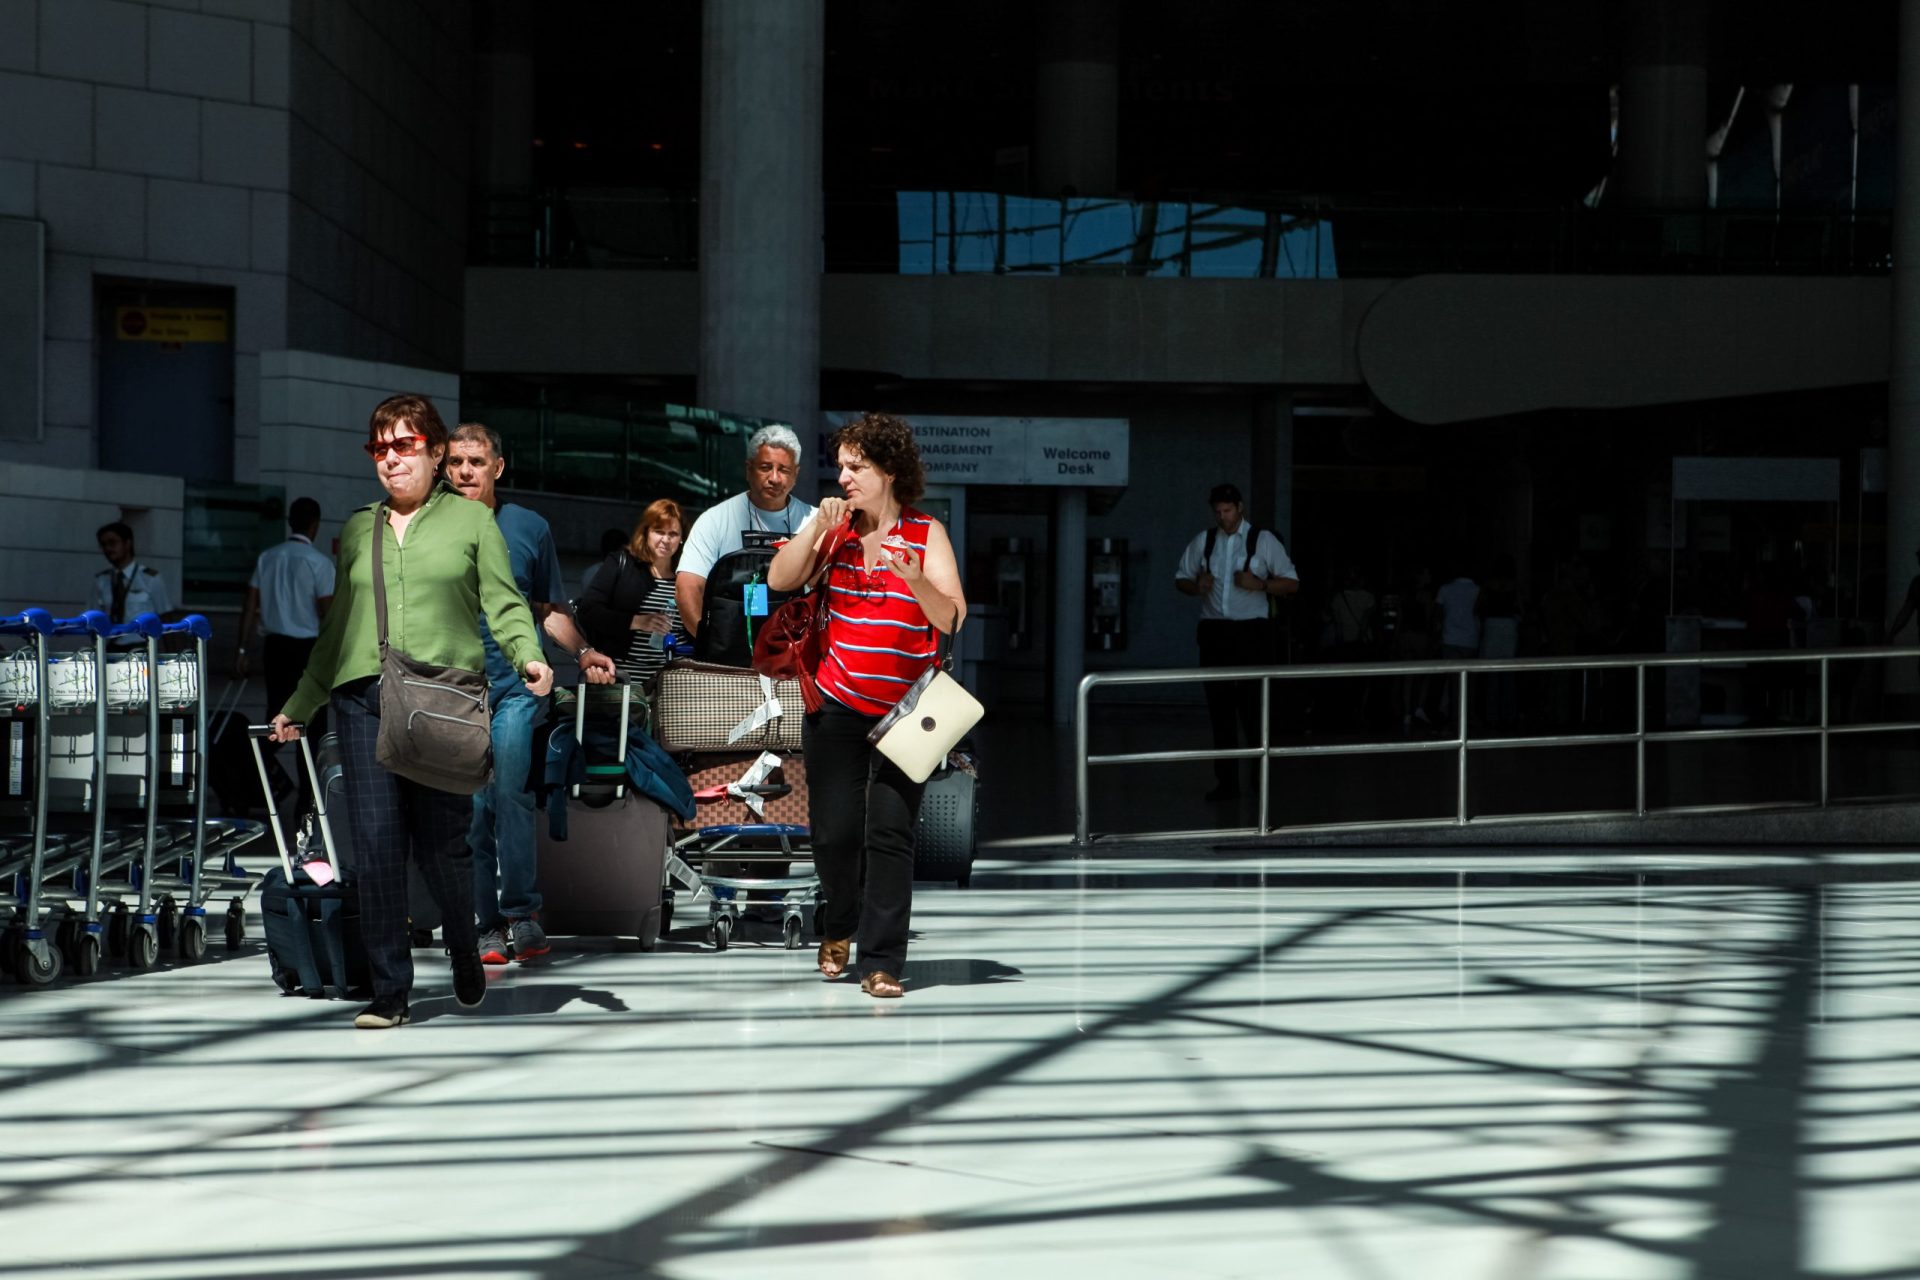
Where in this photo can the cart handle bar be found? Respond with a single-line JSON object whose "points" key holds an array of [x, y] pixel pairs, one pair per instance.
{"points": [[29, 622]]}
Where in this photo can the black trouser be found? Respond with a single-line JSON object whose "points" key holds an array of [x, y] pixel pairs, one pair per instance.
{"points": [[1224, 643], [389, 820], [862, 809], [283, 659]]}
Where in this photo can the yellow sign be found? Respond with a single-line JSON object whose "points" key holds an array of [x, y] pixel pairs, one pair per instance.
{"points": [[170, 324]]}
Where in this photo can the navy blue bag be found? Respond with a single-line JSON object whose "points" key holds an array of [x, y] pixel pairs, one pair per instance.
{"points": [[314, 946]]}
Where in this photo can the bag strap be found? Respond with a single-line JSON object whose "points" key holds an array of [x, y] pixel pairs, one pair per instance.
{"points": [[379, 573]]}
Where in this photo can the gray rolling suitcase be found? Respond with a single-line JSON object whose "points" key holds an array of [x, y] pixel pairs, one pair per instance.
{"points": [[605, 878], [943, 836]]}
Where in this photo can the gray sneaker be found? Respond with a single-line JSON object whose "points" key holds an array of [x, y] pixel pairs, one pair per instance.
{"points": [[529, 940], [494, 947]]}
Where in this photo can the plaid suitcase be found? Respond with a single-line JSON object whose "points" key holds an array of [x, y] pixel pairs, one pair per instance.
{"points": [[710, 768], [699, 704]]}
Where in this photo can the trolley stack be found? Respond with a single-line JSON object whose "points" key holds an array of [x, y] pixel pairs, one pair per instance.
{"points": [[105, 841]]}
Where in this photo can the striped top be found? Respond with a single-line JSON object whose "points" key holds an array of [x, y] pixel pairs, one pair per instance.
{"points": [[878, 639], [642, 661]]}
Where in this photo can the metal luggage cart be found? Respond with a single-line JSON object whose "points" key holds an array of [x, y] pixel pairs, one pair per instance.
{"points": [[729, 897], [30, 951], [83, 691], [192, 858]]}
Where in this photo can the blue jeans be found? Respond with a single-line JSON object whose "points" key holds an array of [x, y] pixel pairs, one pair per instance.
{"points": [[502, 836]]}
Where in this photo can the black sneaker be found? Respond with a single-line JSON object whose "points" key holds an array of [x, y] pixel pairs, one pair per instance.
{"points": [[384, 1012], [469, 978]]}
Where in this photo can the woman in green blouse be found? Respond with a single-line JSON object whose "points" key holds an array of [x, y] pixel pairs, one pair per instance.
{"points": [[445, 564]]}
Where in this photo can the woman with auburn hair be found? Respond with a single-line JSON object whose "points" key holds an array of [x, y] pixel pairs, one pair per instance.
{"points": [[893, 590], [444, 564], [629, 607]]}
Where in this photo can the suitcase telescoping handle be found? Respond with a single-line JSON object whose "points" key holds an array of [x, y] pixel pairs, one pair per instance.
{"points": [[580, 735], [256, 734]]}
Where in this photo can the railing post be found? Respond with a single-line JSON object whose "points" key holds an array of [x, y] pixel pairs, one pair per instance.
{"points": [[1460, 783], [1266, 745], [1081, 800], [1825, 724], [1640, 740]]}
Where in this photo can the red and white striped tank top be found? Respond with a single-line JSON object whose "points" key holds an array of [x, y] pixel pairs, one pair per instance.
{"points": [[878, 638]]}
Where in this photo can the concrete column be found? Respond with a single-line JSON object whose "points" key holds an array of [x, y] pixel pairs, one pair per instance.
{"points": [[1663, 106], [1270, 487], [1077, 105], [1903, 393], [762, 69], [1069, 630]]}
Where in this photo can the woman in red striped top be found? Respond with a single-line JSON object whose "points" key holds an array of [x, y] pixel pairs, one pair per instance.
{"points": [[894, 590]]}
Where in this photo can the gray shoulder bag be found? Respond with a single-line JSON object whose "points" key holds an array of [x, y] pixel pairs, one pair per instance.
{"points": [[435, 728]]}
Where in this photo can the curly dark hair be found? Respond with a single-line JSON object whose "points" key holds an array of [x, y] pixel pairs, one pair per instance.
{"points": [[886, 442]]}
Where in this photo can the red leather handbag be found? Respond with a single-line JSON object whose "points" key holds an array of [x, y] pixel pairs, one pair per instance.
{"points": [[791, 643]]}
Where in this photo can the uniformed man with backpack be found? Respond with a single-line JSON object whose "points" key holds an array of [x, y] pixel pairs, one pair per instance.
{"points": [[1237, 571]]}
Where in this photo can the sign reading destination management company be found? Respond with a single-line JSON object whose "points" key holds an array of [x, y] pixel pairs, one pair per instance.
{"points": [[1085, 452]]}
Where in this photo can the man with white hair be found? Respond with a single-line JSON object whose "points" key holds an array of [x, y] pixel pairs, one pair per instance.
{"points": [[765, 514]]}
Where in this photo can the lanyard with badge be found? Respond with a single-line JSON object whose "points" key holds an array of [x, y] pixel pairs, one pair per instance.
{"points": [[760, 536]]}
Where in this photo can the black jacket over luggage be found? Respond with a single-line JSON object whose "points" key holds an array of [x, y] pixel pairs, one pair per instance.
{"points": [[604, 879]]}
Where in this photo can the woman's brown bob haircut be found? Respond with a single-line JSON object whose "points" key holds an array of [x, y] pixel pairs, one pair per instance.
{"points": [[415, 411], [659, 514], [887, 443]]}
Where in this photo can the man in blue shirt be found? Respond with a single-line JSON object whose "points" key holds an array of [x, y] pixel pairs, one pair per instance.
{"points": [[505, 873]]}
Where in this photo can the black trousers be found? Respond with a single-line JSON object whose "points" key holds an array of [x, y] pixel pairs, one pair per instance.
{"points": [[283, 660], [391, 819], [1232, 706], [862, 810]]}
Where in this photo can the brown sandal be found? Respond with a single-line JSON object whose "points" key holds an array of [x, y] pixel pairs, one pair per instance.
{"points": [[833, 956], [883, 986]]}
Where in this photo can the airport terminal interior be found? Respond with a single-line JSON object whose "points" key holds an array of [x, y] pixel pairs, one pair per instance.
{"points": [[1537, 899]]}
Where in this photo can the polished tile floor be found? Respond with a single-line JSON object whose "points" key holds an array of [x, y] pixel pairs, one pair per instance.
{"points": [[1576, 1081]]}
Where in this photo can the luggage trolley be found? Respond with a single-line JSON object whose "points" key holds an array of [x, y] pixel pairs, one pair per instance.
{"points": [[729, 897], [32, 955], [194, 856], [84, 691]]}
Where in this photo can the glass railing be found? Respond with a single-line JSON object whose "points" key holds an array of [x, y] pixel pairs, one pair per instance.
{"points": [[585, 441], [987, 233]]}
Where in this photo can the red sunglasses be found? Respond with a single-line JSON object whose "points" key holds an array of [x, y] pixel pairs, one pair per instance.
{"points": [[405, 446]]}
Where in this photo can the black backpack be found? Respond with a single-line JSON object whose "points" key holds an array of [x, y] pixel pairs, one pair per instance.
{"points": [[726, 632]]}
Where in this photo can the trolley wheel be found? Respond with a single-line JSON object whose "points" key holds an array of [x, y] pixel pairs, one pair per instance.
{"points": [[86, 955], [167, 922], [721, 933], [666, 915], [792, 930], [193, 938], [117, 930], [236, 925], [37, 966], [143, 946]]}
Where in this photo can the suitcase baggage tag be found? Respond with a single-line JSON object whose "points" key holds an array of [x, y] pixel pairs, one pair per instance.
{"points": [[756, 599]]}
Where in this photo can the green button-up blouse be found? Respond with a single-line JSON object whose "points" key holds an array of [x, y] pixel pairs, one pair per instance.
{"points": [[452, 566]]}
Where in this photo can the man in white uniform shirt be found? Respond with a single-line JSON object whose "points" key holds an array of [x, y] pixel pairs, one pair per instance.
{"points": [[127, 588], [291, 587], [765, 514], [1235, 571]]}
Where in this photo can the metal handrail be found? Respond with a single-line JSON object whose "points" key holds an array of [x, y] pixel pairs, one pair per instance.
{"points": [[1463, 744]]}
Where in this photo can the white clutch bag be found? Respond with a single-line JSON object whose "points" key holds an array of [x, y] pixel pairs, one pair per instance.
{"points": [[926, 724]]}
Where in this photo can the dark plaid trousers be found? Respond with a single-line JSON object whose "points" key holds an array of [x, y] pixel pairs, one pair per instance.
{"points": [[389, 819]]}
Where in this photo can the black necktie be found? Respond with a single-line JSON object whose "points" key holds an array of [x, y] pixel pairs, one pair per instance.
{"points": [[121, 583]]}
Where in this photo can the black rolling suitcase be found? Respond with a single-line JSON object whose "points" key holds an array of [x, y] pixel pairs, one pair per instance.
{"points": [[605, 878], [310, 909], [943, 836]]}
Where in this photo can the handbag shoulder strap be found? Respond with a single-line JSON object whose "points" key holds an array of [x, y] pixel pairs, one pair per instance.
{"points": [[379, 573]]}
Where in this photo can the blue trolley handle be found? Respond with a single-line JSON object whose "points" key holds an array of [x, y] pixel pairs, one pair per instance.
{"points": [[192, 625], [31, 622], [91, 623]]}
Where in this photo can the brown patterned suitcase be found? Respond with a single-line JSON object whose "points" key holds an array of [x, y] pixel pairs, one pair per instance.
{"points": [[711, 768], [698, 704]]}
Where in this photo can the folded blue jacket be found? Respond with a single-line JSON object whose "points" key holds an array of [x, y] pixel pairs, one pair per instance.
{"points": [[649, 768]]}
